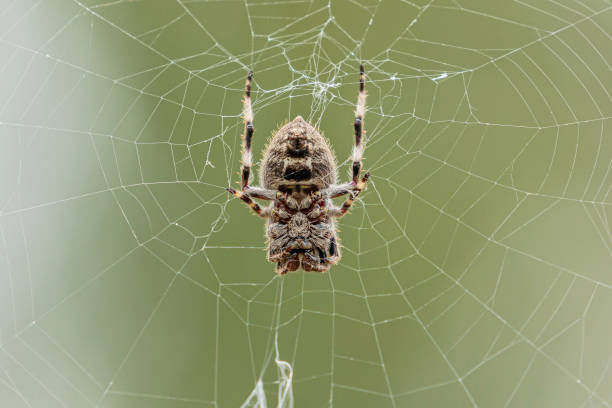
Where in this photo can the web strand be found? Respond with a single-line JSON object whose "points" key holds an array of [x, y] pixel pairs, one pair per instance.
{"points": [[483, 239]]}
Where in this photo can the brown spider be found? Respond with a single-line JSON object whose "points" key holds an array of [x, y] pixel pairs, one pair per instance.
{"points": [[298, 174]]}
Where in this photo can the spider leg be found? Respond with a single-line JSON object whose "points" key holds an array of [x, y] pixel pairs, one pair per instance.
{"points": [[340, 211], [358, 125], [248, 193], [261, 193], [337, 190], [247, 111], [262, 212], [356, 185]]}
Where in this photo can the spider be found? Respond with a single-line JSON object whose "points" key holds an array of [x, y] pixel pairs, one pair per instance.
{"points": [[298, 176]]}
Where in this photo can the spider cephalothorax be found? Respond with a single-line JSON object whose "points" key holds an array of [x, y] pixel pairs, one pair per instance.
{"points": [[298, 174]]}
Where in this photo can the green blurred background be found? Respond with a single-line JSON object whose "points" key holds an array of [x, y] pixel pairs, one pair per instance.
{"points": [[476, 267]]}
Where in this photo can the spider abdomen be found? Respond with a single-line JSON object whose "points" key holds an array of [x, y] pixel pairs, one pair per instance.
{"points": [[297, 153]]}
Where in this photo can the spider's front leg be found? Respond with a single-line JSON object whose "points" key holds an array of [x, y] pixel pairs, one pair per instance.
{"points": [[248, 193], [356, 185], [358, 125]]}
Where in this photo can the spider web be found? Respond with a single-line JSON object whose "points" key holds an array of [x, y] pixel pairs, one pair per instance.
{"points": [[476, 265]]}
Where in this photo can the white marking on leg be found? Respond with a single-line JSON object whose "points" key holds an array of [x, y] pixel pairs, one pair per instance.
{"points": [[361, 102], [358, 152], [247, 110], [247, 158]]}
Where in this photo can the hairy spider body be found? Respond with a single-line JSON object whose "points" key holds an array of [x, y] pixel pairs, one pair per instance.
{"points": [[297, 154], [301, 233], [298, 174]]}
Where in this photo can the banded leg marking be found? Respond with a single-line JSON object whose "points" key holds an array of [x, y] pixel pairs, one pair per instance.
{"points": [[352, 196], [247, 112], [358, 125], [249, 201]]}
